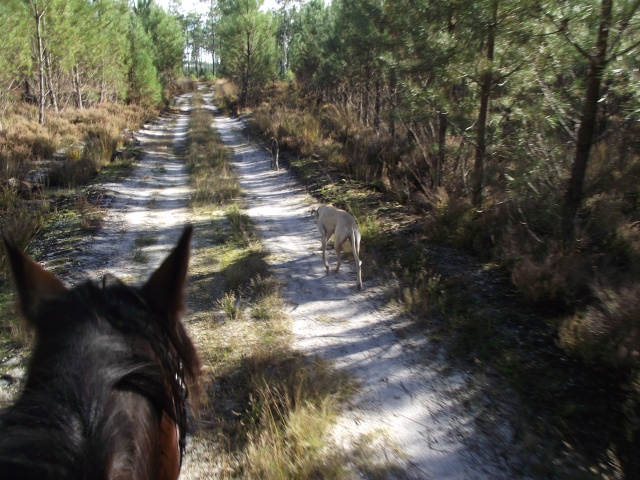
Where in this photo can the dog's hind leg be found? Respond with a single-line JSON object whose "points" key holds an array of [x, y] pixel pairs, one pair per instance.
{"points": [[274, 149], [355, 248], [323, 235], [338, 240]]}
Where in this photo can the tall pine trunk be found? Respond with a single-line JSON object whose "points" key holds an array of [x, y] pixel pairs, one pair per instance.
{"points": [[37, 15], [103, 85], [365, 95], [76, 85], [485, 95], [50, 85], [247, 77], [48, 70], [213, 54], [377, 105], [442, 140], [393, 85], [586, 132]]}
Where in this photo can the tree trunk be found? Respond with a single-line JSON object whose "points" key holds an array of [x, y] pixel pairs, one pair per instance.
{"points": [[196, 58], [76, 85], [245, 83], [366, 96], [49, 78], [376, 107], [393, 85], [575, 187], [213, 54], [186, 36], [37, 15], [213, 39], [485, 94], [284, 59], [442, 138], [102, 85], [27, 95]]}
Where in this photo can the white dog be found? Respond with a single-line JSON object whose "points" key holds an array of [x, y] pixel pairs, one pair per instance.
{"points": [[274, 150], [331, 219]]}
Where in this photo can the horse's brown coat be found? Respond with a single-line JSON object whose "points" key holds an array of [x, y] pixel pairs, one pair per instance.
{"points": [[106, 385]]}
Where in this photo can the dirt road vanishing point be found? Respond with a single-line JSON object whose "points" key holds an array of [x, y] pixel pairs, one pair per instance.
{"points": [[416, 411]]}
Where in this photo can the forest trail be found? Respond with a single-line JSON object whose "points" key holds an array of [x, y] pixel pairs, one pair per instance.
{"points": [[412, 408], [146, 211], [409, 407]]}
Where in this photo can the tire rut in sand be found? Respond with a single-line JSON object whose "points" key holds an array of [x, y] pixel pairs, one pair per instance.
{"points": [[146, 211]]}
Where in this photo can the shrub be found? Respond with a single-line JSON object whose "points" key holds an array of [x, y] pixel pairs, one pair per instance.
{"points": [[19, 218], [608, 331], [552, 280], [232, 308], [226, 95], [71, 173]]}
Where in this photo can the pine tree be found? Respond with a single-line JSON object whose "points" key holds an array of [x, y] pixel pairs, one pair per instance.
{"points": [[248, 45], [15, 58], [143, 84]]}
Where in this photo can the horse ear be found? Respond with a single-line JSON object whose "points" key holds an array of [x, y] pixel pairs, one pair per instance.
{"points": [[33, 283], [167, 284]]}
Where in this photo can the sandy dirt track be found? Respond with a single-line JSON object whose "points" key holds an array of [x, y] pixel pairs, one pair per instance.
{"points": [[151, 204], [408, 397], [412, 406]]}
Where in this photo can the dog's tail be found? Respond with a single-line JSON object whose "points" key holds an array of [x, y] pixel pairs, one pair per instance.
{"points": [[355, 247]]}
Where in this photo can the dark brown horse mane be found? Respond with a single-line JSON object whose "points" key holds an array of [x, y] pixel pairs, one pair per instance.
{"points": [[92, 341]]}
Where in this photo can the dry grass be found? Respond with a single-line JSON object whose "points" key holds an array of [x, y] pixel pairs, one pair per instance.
{"points": [[83, 141], [13, 329], [97, 129], [226, 95], [292, 441], [20, 218], [300, 131], [232, 308], [270, 409], [91, 212], [211, 178]]}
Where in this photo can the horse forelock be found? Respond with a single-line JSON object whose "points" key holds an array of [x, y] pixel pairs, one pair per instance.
{"points": [[92, 342]]}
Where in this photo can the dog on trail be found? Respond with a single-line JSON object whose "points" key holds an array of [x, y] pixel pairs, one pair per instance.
{"points": [[274, 150], [337, 222]]}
